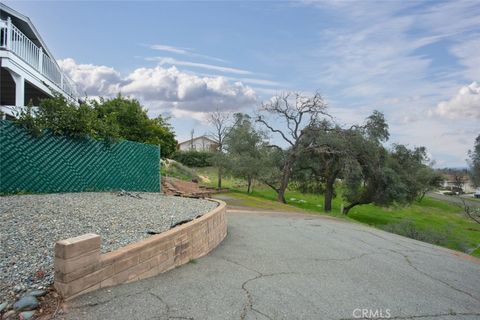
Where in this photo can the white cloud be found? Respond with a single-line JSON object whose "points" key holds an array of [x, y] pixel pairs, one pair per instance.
{"points": [[200, 117], [162, 47], [172, 61], [377, 52], [465, 104], [468, 53], [183, 51], [92, 79], [162, 89]]}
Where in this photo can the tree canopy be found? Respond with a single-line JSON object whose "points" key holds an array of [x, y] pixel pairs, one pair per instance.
{"points": [[107, 119], [245, 150], [296, 112], [474, 162]]}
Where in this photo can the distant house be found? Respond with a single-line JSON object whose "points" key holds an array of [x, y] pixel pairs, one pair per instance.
{"points": [[456, 181], [202, 143], [28, 70]]}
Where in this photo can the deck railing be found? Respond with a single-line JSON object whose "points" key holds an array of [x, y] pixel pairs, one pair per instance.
{"points": [[12, 39]]}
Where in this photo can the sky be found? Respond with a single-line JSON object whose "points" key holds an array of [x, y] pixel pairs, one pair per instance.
{"points": [[417, 62]]}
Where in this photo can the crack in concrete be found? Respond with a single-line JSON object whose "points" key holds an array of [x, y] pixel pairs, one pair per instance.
{"points": [[249, 304], [261, 313], [347, 258], [100, 303], [239, 264], [410, 263], [168, 308]]}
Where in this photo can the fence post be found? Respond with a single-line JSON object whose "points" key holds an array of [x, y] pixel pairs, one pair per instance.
{"points": [[40, 60], [9, 33]]}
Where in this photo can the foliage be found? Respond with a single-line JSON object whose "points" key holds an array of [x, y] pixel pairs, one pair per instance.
{"points": [[322, 158], [244, 146], [414, 173], [127, 119], [107, 119], [367, 176], [474, 162], [59, 115], [408, 228], [298, 113], [194, 158], [172, 168], [383, 177]]}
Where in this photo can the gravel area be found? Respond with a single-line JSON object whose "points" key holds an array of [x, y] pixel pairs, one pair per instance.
{"points": [[31, 224]]}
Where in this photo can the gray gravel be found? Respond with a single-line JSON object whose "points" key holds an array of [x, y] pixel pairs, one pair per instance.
{"points": [[31, 224]]}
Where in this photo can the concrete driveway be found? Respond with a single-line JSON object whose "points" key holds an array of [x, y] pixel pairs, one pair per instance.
{"points": [[275, 265]]}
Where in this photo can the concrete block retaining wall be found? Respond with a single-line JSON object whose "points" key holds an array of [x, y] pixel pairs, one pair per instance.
{"points": [[81, 268]]}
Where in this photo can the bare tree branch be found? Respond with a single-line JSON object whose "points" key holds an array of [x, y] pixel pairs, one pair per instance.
{"points": [[471, 212], [297, 113]]}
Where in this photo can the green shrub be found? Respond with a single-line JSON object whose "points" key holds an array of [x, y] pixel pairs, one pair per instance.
{"points": [[194, 158], [443, 237], [107, 119], [172, 168]]}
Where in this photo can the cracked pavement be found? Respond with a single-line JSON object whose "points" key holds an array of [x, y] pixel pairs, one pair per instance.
{"points": [[277, 265]]}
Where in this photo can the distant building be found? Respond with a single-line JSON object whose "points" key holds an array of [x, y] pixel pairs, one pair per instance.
{"points": [[28, 70], [458, 180], [202, 143]]}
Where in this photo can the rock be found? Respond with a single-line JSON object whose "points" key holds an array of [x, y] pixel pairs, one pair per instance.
{"points": [[8, 315], [26, 303], [3, 306], [18, 288], [25, 315], [37, 293]]}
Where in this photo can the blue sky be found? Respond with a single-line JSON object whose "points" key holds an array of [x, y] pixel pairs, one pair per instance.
{"points": [[418, 62]]}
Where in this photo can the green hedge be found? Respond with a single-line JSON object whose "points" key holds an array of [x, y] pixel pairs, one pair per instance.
{"points": [[194, 158]]}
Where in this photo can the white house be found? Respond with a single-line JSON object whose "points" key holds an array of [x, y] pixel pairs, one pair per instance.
{"points": [[458, 180], [202, 143], [28, 70]]}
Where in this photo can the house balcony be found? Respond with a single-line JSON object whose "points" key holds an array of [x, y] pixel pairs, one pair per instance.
{"points": [[28, 72]]}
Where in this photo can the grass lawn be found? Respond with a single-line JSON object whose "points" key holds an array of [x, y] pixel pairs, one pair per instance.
{"points": [[431, 220]]}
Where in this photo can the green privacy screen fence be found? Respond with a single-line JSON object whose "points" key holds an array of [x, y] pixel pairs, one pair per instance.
{"points": [[52, 163]]}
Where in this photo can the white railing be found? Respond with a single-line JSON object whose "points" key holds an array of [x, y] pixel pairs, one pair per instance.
{"points": [[51, 70], [12, 39], [24, 47]]}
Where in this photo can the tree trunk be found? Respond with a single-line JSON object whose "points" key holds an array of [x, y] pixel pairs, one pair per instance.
{"points": [[284, 182], [249, 187], [327, 205], [347, 208], [422, 196], [219, 177], [350, 206], [281, 196]]}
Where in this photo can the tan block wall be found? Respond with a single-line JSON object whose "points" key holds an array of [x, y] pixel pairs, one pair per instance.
{"points": [[80, 268]]}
